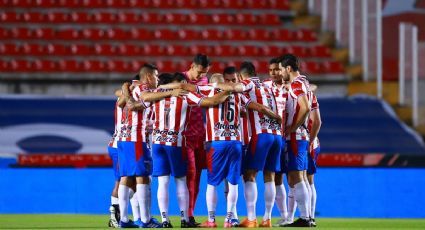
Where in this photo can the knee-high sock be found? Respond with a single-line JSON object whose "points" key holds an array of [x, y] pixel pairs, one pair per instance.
{"points": [[163, 182], [281, 201], [182, 197], [211, 202], [123, 198], [114, 200], [292, 204], [142, 192], [313, 200], [309, 194], [149, 201], [232, 199], [135, 207], [269, 197], [301, 196], [251, 194]]}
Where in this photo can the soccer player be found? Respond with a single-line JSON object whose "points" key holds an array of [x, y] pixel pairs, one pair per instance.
{"points": [[113, 154], [281, 94], [314, 149], [133, 154], [264, 146], [171, 116], [195, 132], [230, 74], [298, 108]]}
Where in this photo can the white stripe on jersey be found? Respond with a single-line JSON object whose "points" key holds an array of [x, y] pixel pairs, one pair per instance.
{"points": [[258, 122], [133, 126], [171, 116], [223, 120], [299, 87], [117, 122], [281, 95]]}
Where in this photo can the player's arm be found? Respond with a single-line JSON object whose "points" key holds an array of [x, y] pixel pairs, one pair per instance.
{"points": [[233, 87], [129, 100], [121, 98], [316, 124], [156, 96], [302, 114], [264, 110], [185, 86], [215, 100]]}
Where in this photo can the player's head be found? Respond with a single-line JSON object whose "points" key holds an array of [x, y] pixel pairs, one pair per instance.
{"points": [[179, 77], [165, 78], [274, 70], [288, 64], [199, 67], [217, 78], [247, 70], [149, 75], [230, 74]]}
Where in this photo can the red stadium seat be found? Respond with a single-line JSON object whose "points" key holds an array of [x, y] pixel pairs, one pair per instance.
{"points": [[141, 34], [58, 17], [129, 50], [58, 50], [9, 49], [45, 66], [94, 66], [34, 50], [5, 34], [165, 34], [105, 50], [118, 66], [93, 34], [117, 34], [269, 19], [34, 17], [320, 51], [81, 17], [10, 17], [199, 19], [212, 34], [45, 34], [306, 35], [311, 67], [22, 3], [188, 35], [69, 66], [20, 65], [333, 67], [82, 50], [5, 66], [259, 34], [95, 3], [46, 3], [151, 18], [68, 34], [69, 3], [176, 50], [131, 18], [105, 17], [152, 50]]}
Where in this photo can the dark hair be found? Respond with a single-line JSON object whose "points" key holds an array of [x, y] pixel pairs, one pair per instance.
{"points": [[179, 77], [229, 70], [202, 59], [274, 61], [247, 68], [165, 78], [289, 60], [136, 78], [147, 68]]}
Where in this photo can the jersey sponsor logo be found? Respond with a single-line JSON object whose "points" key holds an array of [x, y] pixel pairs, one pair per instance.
{"points": [[269, 123], [165, 135], [226, 130]]}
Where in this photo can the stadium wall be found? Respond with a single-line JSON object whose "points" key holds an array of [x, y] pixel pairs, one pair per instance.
{"points": [[342, 192]]}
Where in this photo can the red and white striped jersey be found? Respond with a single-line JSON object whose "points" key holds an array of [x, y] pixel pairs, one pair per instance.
{"points": [[245, 133], [117, 123], [281, 96], [259, 123], [133, 123], [223, 120], [299, 87], [172, 115], [314, 106]]}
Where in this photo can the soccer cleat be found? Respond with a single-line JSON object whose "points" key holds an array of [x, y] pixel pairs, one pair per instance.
{"points": [[227, 224], [153, 223], [235, 222], [188, 224], [299, 223], [129, 224], [193, 221], [313, 222], [249, 223], [281, 223], [113, 223], [266, 224], [116, 212], [138, 222], [208, 224], [166, 224]]}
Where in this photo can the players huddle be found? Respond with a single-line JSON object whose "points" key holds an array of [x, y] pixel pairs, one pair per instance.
{"points": [[247, 125]]}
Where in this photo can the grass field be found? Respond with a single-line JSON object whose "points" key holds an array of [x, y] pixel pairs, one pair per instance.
{"points": [[100, 222]]}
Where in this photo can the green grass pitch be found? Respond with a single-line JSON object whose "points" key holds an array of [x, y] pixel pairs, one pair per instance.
{"points": [[37, 221]]}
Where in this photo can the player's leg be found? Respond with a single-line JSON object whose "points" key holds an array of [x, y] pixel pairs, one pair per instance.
{"points": [[162, 170], [135, 207], [280, 188], [114, 209], [191, 176], [234, 159], [297, 158], [311, 171]]}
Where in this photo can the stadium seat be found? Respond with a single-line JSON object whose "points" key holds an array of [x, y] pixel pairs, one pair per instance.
{"points": [[93, 34], [165, 34], [128, 50], [67, 34], [199, 19], [132, 18], [152, 50], [176, 50], [105, 50], [34, 17], [69, 3], [97, 3], [118, 66], [188, 35], [81, 17], [9, 49], [140, 34], [58, 17], [10, 17], [82, 50], [333, 67], [20, 65], [58, 50], [21, 33], [93, 66], [105, 17], [34, 50], [117, 34], [5, 33], [5, 66], [45, 66], [311, 67], [45, 33], [320, 51], [69, 66]]}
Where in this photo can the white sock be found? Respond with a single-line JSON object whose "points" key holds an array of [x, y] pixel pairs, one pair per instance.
{"points": [[114, 200], [182, 197], [123, 198], [313, 200], [292, 204], [232, 199], [250, 193], [211, 202], [301, 196], [149, 201], [135, 207], [163, 182], [142, 196], [269, 197], [308, 201], [281, 201]]}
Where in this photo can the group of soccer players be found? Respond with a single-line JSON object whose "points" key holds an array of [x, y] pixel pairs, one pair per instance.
{"points": [[233, 124]]}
